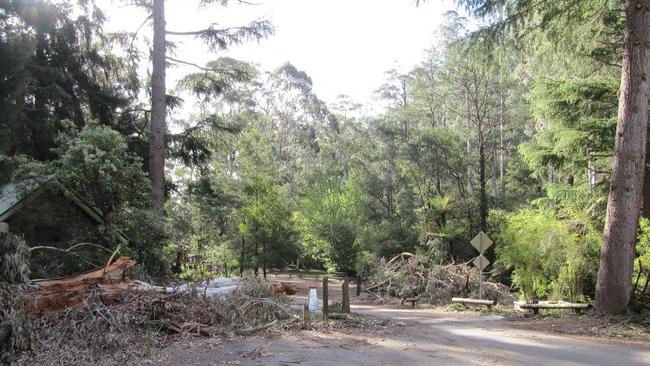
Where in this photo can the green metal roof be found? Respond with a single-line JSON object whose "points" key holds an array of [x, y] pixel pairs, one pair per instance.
{"points": [[14, 195]]}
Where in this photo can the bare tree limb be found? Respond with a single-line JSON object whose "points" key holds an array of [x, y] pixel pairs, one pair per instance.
{"points": [[71, 248], [209, 69]]}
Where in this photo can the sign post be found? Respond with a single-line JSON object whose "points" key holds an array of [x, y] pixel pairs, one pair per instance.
{"points": [[481, 242]]}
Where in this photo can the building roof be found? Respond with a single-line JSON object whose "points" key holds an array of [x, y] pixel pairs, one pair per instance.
{"points": [[14, 195]]}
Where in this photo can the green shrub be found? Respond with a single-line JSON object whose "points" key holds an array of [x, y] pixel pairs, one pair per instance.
{"points": [[549, 257], [643, 252]]}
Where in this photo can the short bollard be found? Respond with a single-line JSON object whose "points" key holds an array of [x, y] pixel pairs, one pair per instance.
{"points": [[306, 318], [325, 304], [345, 303], [313, 300]]}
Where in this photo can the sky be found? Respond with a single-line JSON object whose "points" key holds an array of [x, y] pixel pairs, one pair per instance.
{"points": [[345, 46]]}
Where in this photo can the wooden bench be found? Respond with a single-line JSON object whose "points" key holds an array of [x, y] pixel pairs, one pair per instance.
{"points": [[535, 307], [411, 300], [462, 300]]}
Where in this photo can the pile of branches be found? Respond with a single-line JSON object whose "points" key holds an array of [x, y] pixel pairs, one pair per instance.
{"points": [[140, 321], [15, 333], [412, 276]]}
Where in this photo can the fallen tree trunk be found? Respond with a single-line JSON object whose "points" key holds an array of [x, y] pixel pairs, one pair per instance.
{"points": [[53, 296], [284, 287], [376, 286], [463, 300], [565, 305], [373, 294], [252, 331]]}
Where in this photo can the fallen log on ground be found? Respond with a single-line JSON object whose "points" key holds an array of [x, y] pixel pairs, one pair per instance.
{"points": [[285, 288], [108, 284], [53, 296], [252, 331], [376, 286], [143, 318], [535, 307], [373, 294], [462, 300]]}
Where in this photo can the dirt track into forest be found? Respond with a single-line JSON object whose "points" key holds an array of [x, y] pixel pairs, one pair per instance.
{"points": [[423, 337]]}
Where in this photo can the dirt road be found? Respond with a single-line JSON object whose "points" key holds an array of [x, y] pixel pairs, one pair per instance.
{"points": [[467, 339], [424, 338]]}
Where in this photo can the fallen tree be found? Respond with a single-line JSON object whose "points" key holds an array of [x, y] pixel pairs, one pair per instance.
{"points": [[119, 321], [285, 288], [52, 296]]}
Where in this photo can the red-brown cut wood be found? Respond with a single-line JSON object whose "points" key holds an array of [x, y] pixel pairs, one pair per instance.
{"points": [[53, 296]]}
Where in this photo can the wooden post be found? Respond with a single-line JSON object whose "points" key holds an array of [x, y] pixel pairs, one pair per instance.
{"points": [[325, 304], [305, 316], [480, 270], [345, 303]]}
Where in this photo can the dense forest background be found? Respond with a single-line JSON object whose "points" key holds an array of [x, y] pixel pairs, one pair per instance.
{"points": [[508, 132]]}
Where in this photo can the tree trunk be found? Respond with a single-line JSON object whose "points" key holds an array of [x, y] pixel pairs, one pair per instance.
{"points": [[646, 185], [614, 283], [257, 259], [390, 177], [242, 258], [482, 180], [158, 110], [179, 257], [502, 148], [495, 188], [470, 188], [264, 259], [591, 172]]}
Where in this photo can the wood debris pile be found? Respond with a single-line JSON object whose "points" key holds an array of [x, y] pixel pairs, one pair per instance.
{"points": [[411, 276], [101, 318], [53, 296], [15, 330]]}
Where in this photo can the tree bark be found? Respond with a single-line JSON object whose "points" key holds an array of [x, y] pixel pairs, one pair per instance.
{"points": [[179, 255], [495, 187], [264, 259], [502, 148], [257, 259], [158, 110], [470, 189], [646, 185], [483, 205], [242, 258], [614, 283], [390, 177]]}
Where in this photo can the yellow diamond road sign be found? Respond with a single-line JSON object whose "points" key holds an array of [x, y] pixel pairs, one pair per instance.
{"points": [[481, 262], [481, 242]]}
